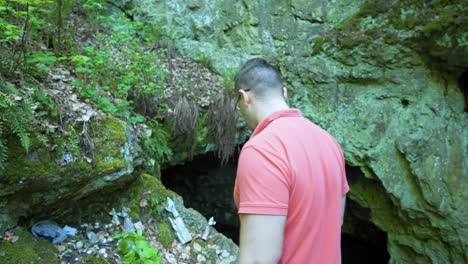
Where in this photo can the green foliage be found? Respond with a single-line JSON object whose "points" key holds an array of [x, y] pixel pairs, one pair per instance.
{"points": [[123, 68], [39, 63], [136, 250], [156, 147], [130, 70], [46, 105], [15, 117], [21, 23], [156, 205]]}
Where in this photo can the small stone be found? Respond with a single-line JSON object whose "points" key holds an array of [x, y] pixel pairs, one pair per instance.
{"points": [[184, 256], [187, 249], [225, 254], [60, 248], [90, 251], [79, 244], [105, 255], [170, 258], [102, 251], [201, 258], [110, 239], [197, 247], [93, 238]]}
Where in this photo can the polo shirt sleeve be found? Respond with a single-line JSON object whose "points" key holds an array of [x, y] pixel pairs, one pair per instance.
{"points": [[262, 180], [344, 181]]}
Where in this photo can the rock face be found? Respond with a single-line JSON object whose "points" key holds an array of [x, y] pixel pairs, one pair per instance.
{"points": [[42, 182], [381, 76]]}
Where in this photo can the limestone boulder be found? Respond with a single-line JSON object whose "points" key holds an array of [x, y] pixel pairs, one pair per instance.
{"points": [[381, 76], [44, 182]]}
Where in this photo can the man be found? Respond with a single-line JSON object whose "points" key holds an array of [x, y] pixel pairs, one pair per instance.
{"points": [[290, 186]]}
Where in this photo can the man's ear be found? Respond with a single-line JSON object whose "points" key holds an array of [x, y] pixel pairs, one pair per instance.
{"points": [[247, 98]]}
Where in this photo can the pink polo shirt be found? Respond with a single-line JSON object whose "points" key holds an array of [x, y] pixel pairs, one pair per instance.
{"points": [[292, 167]]}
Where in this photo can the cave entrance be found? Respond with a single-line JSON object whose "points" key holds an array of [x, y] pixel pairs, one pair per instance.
{"points": [[207, 187], [361, 241]]}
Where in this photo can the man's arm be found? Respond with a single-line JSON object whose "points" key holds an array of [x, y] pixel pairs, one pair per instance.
{"points": [[261, 238]]}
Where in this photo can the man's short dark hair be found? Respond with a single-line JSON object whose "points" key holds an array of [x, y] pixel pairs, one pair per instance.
{"points": [[258, 76]]}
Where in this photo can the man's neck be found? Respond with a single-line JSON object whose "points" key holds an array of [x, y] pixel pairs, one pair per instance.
{"points": [[264, 109]]}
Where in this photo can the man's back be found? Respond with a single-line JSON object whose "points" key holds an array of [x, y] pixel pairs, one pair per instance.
{"points": [[292, 167]]}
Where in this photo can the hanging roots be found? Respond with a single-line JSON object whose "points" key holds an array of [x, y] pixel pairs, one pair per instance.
{"points": [[185, 121], [222, 126]]}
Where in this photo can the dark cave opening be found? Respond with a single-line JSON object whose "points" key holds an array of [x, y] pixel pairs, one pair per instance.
{"points": [[361, 241], [463, 84], [207, 187]]}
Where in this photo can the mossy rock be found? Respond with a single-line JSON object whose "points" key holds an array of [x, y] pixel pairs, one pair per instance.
{"points": [[40, 163], [165, 234], [150, 188], [34, 182], [28, 249]]}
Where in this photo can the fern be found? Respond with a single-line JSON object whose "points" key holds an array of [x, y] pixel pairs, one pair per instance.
{"points": [[15, 117]]}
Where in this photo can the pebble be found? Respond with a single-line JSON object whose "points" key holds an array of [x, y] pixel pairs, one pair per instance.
{"points": [[197, 247], [187, 249], [102, 251], [201, 258], [93, 238], [184, 256], [225, 254], [170, 258], [79, 244]]}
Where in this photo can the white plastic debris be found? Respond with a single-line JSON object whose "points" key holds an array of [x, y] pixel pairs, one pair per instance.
{"points": [[177, 223], [206, 233]]}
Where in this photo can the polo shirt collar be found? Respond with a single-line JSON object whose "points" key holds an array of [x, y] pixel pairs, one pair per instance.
{"points": [[291, 112]]}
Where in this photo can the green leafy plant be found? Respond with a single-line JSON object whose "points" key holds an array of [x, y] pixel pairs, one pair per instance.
{"points": [[46, 105], [136, 250], [156, 147], [131, 71], [15, 117]]}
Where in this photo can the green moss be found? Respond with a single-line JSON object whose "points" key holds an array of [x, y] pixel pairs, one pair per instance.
{"points": [[348, 41], [109, 138], [318, 45], [157, 188], [39, 164], [391, 39], [28, 249], [95, 260], [165, 234], [152, 189]]}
